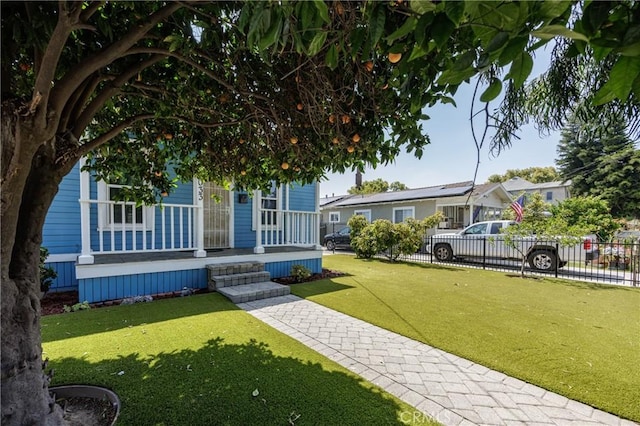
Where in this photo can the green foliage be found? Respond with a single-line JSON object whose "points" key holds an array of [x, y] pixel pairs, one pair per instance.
{"points": [[47, 273], [391, 239], [531, 174], [356, 224], [601, 160], [589, 213], [300, 273], [81, 306], [376, 186], [538, 225]]}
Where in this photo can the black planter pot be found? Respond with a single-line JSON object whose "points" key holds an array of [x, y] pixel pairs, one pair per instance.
{"points": [[88, 391]]}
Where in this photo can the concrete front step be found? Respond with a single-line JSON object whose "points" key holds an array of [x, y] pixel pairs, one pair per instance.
{"points": [[220, 281], [254, 291], [235, 268]]}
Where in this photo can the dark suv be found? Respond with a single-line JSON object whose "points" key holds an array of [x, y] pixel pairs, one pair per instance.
{"points": [[342, 238]]}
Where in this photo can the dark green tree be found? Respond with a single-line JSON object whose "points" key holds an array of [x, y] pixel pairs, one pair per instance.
{"points": [[376, 186], [601, 160], [532, 174]]}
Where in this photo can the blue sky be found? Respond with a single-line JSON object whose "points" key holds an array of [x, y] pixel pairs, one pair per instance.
{"points": [[451, 156]]}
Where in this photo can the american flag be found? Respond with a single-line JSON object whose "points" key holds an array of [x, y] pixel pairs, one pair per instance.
{"points": [[517, 208]]}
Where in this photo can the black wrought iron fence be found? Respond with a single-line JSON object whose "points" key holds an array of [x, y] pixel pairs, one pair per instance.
{"points": [[616, 262]]}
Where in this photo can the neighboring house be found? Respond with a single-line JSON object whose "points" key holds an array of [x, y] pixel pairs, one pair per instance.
{"points": [[108, 250], [551, 192], [461, 203]]}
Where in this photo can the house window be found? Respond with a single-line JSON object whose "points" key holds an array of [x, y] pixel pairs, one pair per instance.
{"points": [[334, 217], [400, 214], [268, 202], [549, 195], [120, 214], [365, 213]]}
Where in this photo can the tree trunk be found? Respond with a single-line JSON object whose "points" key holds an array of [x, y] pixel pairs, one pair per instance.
{"points": [[29, 182]]}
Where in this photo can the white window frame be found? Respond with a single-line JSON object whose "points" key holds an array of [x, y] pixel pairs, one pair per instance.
{"points": [[411, 209], [257, 201], [104, 212], [365, 213], [336, 215]]}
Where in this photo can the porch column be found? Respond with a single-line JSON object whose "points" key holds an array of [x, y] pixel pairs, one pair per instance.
{"points": [[257, 212], [199, 218], [85, 258], [317, 244]]}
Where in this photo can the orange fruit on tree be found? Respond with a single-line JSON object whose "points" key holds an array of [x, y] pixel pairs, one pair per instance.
{"points": [[346, 119], [355, 138], [293, 140], [243, 172], [299, 107], [284, 165], [168, 136], [241, 141], [332, 119], [394, 58], [164, 193], [368, 66], [350, 148], [335, 141]]}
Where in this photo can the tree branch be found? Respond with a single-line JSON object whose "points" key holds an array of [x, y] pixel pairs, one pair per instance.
{"points": [[70, 82], [116, 85], [89, 146]]}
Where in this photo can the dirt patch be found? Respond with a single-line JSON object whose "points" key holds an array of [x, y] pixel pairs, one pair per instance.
{"points": [[87, 411], [53, 303], [326, 273]]}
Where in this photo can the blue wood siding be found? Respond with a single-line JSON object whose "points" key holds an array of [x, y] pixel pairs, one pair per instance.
{"points": [[61, 233], [101, 289], [283, 269], [301, 198], [66, 279]]}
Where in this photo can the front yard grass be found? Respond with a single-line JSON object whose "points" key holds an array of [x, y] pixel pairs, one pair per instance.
{"points": [[577, 339], [200, 360]]}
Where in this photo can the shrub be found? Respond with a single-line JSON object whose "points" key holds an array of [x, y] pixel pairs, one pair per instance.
{"points": [[47, 273], [357, 223], [365, 243], [77, 307], [300, 273]]}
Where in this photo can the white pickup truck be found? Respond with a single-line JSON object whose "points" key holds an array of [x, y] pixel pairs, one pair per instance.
{"points": [[484, 240]]}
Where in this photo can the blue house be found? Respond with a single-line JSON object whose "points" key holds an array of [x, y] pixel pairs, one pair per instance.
{"points": [[106, 249]]}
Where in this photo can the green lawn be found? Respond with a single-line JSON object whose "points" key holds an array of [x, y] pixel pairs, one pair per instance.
{"points": [[580, 340], [199, 360]]}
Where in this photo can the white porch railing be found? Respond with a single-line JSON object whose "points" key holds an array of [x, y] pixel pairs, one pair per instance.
{"points": [[287, 228], [119, 227]]}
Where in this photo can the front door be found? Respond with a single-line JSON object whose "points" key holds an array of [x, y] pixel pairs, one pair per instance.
{"points": [[216, 211]]}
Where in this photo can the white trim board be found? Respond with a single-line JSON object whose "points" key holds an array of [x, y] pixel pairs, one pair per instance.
{"points": [[133, 268]]}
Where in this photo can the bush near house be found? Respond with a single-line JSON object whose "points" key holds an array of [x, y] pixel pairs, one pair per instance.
{"points": [[387, 238]]}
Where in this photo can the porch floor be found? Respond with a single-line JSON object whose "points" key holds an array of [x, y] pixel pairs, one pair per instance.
{"points": [[111, 258]]}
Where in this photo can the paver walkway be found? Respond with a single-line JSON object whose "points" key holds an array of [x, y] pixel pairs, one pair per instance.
{"points": [[449, 389]]}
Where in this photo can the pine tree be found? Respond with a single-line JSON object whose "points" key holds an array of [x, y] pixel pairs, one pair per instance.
{"points": [[601, 160]]}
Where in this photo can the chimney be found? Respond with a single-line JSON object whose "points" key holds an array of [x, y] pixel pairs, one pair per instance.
{"points": [[358, 179]]}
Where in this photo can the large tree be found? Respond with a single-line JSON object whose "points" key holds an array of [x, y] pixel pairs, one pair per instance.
{"points": [[532, 174], [376, 186], [243, 92], [601, 160]]}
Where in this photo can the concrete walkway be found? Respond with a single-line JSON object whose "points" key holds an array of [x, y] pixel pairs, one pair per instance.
{"points": [[445, 387]]}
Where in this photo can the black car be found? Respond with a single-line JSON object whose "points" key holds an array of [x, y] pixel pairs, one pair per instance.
{"points": [[342, 238]]}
